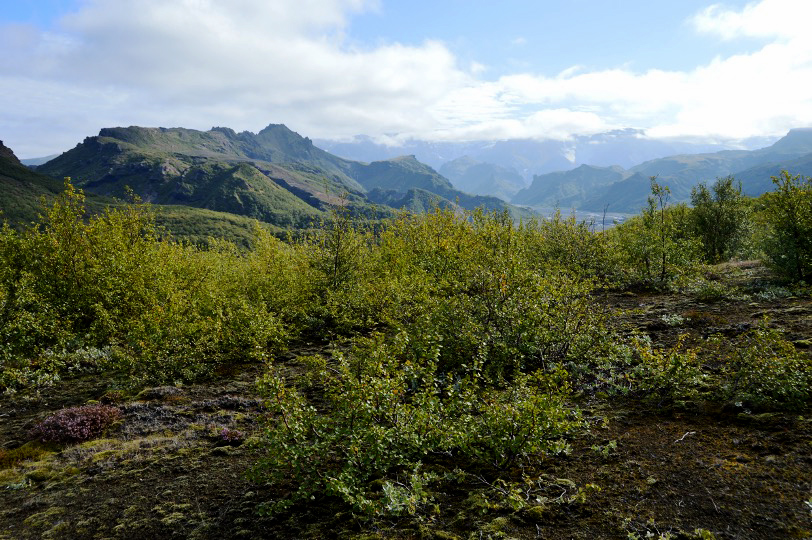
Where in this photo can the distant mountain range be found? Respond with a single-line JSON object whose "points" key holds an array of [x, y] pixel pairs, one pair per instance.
{"points": [[475, 176], [284, 179], [625, 147], [596, 188], [592, 173]]}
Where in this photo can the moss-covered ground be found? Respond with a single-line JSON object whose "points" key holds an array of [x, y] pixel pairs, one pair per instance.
{"points": [[175, 465]]}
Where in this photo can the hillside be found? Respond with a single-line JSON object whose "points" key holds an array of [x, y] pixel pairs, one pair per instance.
{"points": [[629, 191], [22, 191], [474, 176], [568, 189], [21, 188], [275, 176]]}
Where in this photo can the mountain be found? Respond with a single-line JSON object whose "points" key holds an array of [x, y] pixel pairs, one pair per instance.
{"points": [[404, 182], [568, 189], [528, 157], [472, 176], [683, 172], [276, 175], [594, 188], [21, 189], [757, 180]]}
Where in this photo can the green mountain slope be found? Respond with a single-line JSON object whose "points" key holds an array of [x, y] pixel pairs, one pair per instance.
{"points": [[472, 176], [276, 175], [216, 170], [568, 189], [21, 189], [757, 180], [588, 189], [404, 182]]}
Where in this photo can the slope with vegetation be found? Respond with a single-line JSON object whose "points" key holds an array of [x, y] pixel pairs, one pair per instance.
{"points": [[275, 176], [439, 375], [22, 192], [473, 176], [594, 188]]}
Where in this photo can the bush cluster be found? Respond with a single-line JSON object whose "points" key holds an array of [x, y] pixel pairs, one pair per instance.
{"points": [[76, 424], [108, 291], [458, 336]]}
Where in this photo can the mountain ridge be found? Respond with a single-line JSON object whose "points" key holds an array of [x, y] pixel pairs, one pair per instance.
{"points": [[275, 175], [680, 172]]}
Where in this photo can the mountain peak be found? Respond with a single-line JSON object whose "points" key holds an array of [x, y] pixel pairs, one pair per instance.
{"points": [[6, 153], [798, 140]]}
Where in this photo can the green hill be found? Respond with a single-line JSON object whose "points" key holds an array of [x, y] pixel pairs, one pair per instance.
{"points": [[473, 176], [275, 176], [568, 189], [21, 189], [593, 188]]}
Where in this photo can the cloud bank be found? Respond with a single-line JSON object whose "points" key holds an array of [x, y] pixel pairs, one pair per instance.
{"points": [[247, 63]]}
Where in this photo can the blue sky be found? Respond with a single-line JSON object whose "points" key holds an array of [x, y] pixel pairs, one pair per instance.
{"points": [[435, 70], [549, 37]]}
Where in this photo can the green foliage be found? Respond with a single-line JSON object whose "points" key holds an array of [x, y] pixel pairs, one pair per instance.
{"points": [[720, 218], [766, 371], [478, 318], [384, 410], [667, 377], [166, 311], [30, 451], [788, 213], [656, 247]]}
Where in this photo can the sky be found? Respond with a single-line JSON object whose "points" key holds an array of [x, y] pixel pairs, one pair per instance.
{"points": [[443, 70]]}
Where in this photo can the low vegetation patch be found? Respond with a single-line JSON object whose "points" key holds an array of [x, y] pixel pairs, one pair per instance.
{"points": [[430, 374], [76, 424]]}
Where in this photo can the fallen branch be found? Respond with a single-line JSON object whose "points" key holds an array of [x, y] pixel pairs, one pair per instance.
{"points": [[686, 434]]}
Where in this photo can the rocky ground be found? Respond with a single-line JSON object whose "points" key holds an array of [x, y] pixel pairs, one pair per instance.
{"points": [[175, 465]]}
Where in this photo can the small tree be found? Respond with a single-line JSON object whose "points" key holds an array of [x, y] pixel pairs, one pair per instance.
{"points": [[719, 218], [788, 213], [655, 245]]}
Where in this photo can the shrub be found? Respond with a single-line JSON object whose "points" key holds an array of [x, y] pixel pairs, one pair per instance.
{"points": [[30, 451], [383, 411], [720, 218], [76, 424], [788, 212], [766, 371], [656, 247], [668, 377]]}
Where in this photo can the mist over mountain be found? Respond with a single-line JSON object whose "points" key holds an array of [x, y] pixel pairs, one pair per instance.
{"points": [[529, 157]]}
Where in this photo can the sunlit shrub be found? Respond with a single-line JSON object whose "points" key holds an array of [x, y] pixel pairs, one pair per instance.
{"points": [[383, 410], [668, 377], [788, 212]]}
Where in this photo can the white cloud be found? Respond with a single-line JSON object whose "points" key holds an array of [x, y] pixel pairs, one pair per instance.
{"points": [[247, 63], [768, 18]]}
